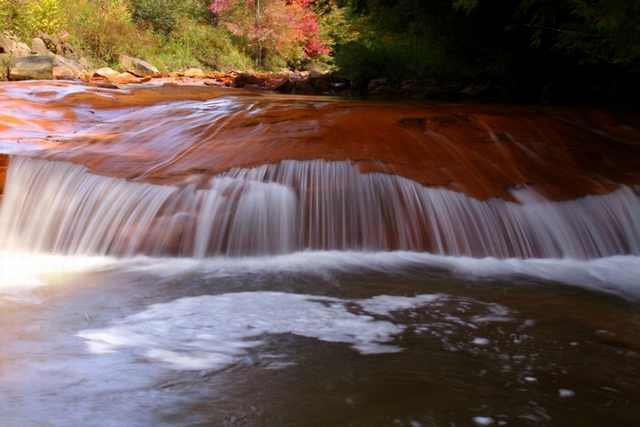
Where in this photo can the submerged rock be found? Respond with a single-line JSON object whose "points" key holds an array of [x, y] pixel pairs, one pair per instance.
{"points": [[35, 67]]}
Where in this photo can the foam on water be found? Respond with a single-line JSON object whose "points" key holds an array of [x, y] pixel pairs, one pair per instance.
{"points": [[214, 331], [211, 332], [617, 275], [20, 273]]}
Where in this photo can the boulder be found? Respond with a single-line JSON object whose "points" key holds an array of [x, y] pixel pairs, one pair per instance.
{"points": [[65, 68], [127, 78], [105, 72], [11, 45], [137, 67], [246, 79], [57, 44], [5, 61], [38, 47], [379, 88], [195, 73], [316, 74], [118, 78], [35, 67]]}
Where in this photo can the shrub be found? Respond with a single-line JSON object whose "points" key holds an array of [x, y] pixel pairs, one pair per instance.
{"points": [[105, 28], [8, 14], [194, 44], [43, 16], [163, 15]]}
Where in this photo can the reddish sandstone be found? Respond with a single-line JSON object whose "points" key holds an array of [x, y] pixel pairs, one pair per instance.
{"points": [[170, 132]]}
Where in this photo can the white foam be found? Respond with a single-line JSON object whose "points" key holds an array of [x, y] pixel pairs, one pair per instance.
{"points": [[214, 331], [617, 275], [21, 273], [483, 421], [566, 393], [481, 341]]}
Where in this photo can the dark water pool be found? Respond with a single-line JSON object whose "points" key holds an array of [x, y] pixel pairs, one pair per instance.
{"points": [[328, 343]]}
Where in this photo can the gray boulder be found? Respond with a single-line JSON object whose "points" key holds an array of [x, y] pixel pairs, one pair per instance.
{"points": [[38, 47], [137, 67], [65, 68], [35, 67], [5, 60], [11, 45]]}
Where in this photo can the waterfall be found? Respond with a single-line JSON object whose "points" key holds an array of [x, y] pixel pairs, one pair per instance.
{"points": [[58, 207]]}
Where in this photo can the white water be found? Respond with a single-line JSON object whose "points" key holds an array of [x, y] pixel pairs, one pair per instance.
{"points": [[215, 331], [57, 207], [22, 273]]}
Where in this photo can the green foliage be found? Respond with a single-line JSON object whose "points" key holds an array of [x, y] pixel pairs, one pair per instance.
{"points": [[594, 31], [163, 15], [8, 14], [44, 16], [401, 40], [159, 14], [194, 44], [30, 17], [397, 58], [105, 29]]}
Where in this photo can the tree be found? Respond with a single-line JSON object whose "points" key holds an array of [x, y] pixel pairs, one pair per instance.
{"points": [[280, 30]]}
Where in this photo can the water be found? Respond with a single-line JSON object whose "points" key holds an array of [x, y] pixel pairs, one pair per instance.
{"points": [[319, 338], [444, 266], [57, 207]]}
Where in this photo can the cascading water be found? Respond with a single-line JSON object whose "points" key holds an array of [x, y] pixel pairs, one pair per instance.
{"points": [[58, 207]]}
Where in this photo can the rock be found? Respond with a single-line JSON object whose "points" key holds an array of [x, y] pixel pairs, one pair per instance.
{"points": [[13, 46], [35, 67], [84, 62], [320, 83], [476, 89], [285, 86], [128, 78], [379, 88], [65, 68], [137, 67], [195, 73], [53, 44], [85, 75], [105, 72], [315, 74], [246, 79], [58, 44], [5, 61], [118, 78], [38, 47]]}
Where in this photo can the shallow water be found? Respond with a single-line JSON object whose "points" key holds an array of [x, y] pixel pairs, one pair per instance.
{"points": [[319, 338]]}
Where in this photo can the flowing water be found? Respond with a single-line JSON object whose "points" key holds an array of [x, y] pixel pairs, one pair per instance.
{"points": [[147, 285], [292, 206]]}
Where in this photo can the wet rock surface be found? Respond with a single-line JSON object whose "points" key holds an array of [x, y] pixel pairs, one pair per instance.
{"points": [[166, 133]]}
